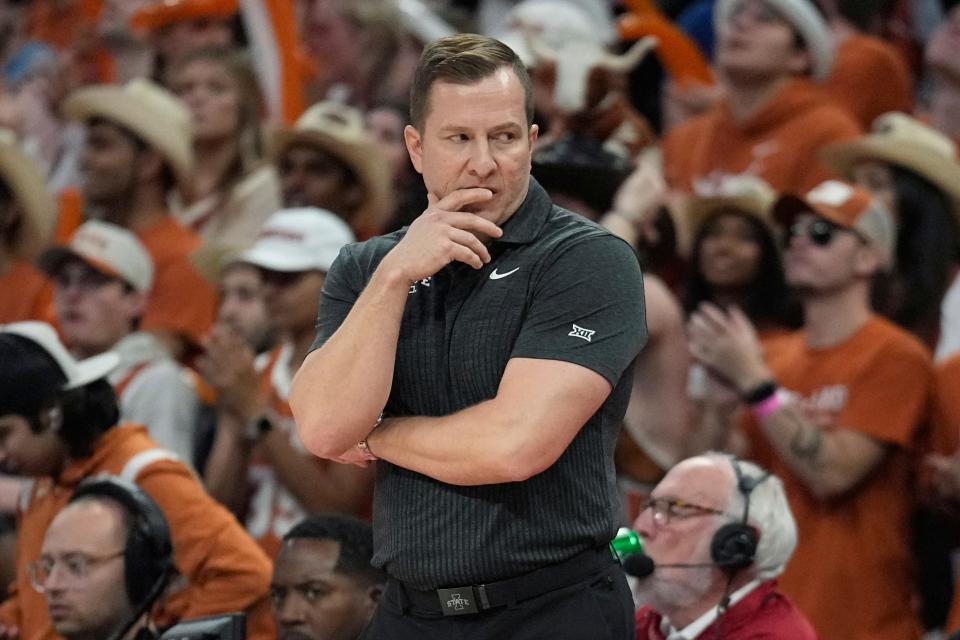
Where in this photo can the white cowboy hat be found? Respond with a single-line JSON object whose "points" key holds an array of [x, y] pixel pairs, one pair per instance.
{"points": [[746, 194], [147, 110], [23, 178], [900, 140], [340, 130]]}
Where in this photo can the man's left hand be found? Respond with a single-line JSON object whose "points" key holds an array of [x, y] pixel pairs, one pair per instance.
{"points": [[727, 344]]}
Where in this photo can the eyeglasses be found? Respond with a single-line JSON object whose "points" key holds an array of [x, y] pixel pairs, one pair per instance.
{"points": [[665, 509], [819, 232], [77, 566]]}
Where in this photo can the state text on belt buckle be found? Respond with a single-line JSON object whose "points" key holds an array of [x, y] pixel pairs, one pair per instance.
{"points": [[458, 601]]}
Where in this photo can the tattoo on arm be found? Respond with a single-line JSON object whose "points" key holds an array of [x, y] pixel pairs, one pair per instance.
{"points": [[807, 441]]}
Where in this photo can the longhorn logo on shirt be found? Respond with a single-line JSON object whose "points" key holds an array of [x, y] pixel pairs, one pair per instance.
{"points": [[824, 404]]}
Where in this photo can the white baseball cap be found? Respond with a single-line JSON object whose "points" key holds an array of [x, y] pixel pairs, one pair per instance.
{"points": [[78, 373], [804, 17], [107, 248], [301, 239]]}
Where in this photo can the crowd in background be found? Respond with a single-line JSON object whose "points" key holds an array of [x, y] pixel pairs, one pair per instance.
{"points": [[177, 177]]}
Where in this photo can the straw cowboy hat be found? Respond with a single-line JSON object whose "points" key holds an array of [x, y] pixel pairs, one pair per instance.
{"points": [[147, 110], [23, 178], [905, 142], [340, 130], [746, 194]]}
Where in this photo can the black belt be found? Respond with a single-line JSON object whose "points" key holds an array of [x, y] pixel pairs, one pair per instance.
{"points": [[456, 601]]}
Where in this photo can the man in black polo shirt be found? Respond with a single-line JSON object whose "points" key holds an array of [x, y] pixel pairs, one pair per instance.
{"points": [[495, 337]]}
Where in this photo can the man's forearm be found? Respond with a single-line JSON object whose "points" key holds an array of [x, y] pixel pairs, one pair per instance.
{"points": [[470, 447], [319, 486], [711, 426], [509, 438], [342, 387], [828, 462], [225, 474]]}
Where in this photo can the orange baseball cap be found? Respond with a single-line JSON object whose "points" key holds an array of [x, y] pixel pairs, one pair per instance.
{"points": [[846, 206]]}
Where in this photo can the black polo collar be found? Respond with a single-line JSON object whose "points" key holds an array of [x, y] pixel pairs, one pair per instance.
{"points": [[525, 223]]}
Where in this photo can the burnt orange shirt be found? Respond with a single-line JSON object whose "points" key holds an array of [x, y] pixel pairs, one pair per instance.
{"points": [[779, 144], [852, 572], [869, 78], [947, 415], [224, 569], [25, 294], [181, 300], [945, 434]]}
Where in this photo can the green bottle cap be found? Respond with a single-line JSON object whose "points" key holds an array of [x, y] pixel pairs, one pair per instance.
{"points": [[625, 543]]}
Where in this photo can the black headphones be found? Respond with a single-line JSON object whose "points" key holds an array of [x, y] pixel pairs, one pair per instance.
{"points": [[735, 544], [148, 554]]}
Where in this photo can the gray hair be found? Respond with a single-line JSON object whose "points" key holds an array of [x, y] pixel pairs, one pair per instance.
{"points": [[769, 513]]}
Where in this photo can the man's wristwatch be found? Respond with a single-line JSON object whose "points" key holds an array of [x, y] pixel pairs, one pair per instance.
{"points": [[258, 428], [365, 451], [362, 445]]}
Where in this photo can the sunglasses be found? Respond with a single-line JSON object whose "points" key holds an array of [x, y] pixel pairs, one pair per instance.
{"points": [[819, 232]]}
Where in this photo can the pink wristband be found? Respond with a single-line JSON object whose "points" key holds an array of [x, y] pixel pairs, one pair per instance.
{"points": [[766, 407]]}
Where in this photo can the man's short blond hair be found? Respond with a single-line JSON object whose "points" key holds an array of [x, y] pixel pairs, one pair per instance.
{"points": [[465, 58]]}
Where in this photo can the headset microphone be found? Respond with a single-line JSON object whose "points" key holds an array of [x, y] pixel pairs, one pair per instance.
{"points": [[640, 565]]}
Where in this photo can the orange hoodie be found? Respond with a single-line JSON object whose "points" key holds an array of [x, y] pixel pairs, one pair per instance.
{"points": [[25, 294], [181, 300], [222, 568], [778, 144], [869, 78]]}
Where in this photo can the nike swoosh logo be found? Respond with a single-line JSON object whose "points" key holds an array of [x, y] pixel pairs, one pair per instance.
{"points": [[496, 276]]}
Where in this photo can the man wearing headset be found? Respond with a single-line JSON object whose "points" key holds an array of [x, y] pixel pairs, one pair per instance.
{"points": [[717, 531], [59, 425], [110, 533]]}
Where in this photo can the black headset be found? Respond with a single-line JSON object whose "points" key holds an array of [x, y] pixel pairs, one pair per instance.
{"points": [[148, 554], [734, 545]]}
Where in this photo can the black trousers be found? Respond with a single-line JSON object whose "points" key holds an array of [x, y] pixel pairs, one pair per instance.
{"points": [[600, 607]]}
